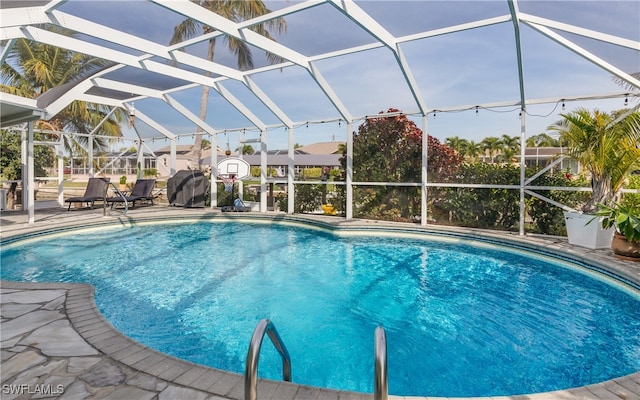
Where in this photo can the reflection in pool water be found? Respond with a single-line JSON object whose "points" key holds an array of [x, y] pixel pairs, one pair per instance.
{"points": [[461, 319]]}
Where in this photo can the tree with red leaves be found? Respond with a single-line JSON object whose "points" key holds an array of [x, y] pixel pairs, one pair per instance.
{"points": [[389, 149]]}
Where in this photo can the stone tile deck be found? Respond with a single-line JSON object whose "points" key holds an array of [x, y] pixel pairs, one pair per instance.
{"points": [[56, 344]]}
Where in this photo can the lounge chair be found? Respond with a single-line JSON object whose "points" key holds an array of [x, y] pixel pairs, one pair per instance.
{"points": [[142, 191], [96, 190]]}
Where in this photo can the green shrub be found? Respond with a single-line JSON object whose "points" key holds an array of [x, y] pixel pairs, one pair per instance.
{"points": [[308, 198], [311, 173], [547, 218], [479, 207], [632, 200]]}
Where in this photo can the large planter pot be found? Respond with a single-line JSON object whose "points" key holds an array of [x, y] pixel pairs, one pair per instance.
{"points": [[590, 235], [622, 247]]}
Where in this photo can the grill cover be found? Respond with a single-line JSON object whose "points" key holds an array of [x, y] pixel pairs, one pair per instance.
{"points": [[187, 188]]}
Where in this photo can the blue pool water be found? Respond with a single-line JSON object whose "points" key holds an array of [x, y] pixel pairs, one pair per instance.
{"points": [[461, 319]]}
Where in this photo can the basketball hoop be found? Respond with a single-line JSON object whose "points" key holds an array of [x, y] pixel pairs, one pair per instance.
{"points": [[228, 182]]}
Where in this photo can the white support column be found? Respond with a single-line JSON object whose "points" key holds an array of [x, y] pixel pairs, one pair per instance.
{"points": [[140, 161], [425, 164], [349, 172], [172, 156], [291, 172], [523, 145], [91, 172], [214, 171], [241, 156], [60, 154], [31, 198], [263, 170], [23, 167]]}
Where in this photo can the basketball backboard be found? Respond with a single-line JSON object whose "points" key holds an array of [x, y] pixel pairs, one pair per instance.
{"points": [[236, 167]]}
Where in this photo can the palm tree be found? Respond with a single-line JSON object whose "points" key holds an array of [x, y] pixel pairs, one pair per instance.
{"points": [[492, 144], [626, 84], [234, 10], [607, 148], [541, 140], [472, 150], [510, 147], [33, 68], [455, 143]]}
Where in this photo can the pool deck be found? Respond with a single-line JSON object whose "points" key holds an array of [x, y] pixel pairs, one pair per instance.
{"points": [[56, 344]]}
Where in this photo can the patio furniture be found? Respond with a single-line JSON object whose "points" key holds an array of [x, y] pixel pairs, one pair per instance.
{"points": [[96, 190], [187, 188], [142, 192]]}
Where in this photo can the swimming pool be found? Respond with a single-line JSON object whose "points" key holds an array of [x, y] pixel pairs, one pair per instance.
{"points": [[457, 324]]}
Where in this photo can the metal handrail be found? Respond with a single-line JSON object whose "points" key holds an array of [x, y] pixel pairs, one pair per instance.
{"points": [[380, 385], [118, 192], [251, 369]]}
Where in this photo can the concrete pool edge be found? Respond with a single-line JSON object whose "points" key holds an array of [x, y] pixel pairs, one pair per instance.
{"points": [[93, 328]]}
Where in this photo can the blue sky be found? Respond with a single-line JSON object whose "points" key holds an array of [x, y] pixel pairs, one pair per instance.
{"points": [[466, 68]]}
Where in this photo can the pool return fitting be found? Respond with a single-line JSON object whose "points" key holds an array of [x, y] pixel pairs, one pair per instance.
{"points": [[380, 386]]}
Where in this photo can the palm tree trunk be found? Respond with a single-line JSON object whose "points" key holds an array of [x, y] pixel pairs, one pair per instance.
{"points": [[196, 152], [601, 193], [11, 195]]}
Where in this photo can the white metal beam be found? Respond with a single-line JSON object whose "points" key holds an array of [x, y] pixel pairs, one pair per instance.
{"points": [[142, 45], [67, 98], [119, 57], [153, 124], [585, 54], [328, 91], [513, 7], [455, 28], [352, 11], [366, 22], [255, 89], [603, 37], [231, 28], [126, 87], [176, 105], [244, 110], [21, 16]]}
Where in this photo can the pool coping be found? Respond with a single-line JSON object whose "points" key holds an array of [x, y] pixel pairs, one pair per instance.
{"points": [[89, 323]]}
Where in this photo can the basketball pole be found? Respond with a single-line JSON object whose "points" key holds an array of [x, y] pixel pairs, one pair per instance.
{"points": [[233, 185]]}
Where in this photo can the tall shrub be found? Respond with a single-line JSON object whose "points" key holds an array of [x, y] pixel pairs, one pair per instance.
{"points": [[389, 149], [479, 207], [547, 218]]}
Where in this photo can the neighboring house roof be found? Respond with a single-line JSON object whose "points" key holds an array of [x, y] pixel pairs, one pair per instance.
{"points": [[544, 151], [183, 152], [316, 154], [126, 154], [299, 159], [283, 152], [180, 149], [321, 148]]}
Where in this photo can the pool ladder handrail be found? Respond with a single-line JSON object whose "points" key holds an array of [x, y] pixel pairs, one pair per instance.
{"points": [[119, 193], [380, 382], [251, 368]]}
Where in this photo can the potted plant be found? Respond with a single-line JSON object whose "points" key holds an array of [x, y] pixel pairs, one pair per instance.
{"points": [[606, 146], [123, 183], [626, 222]]}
